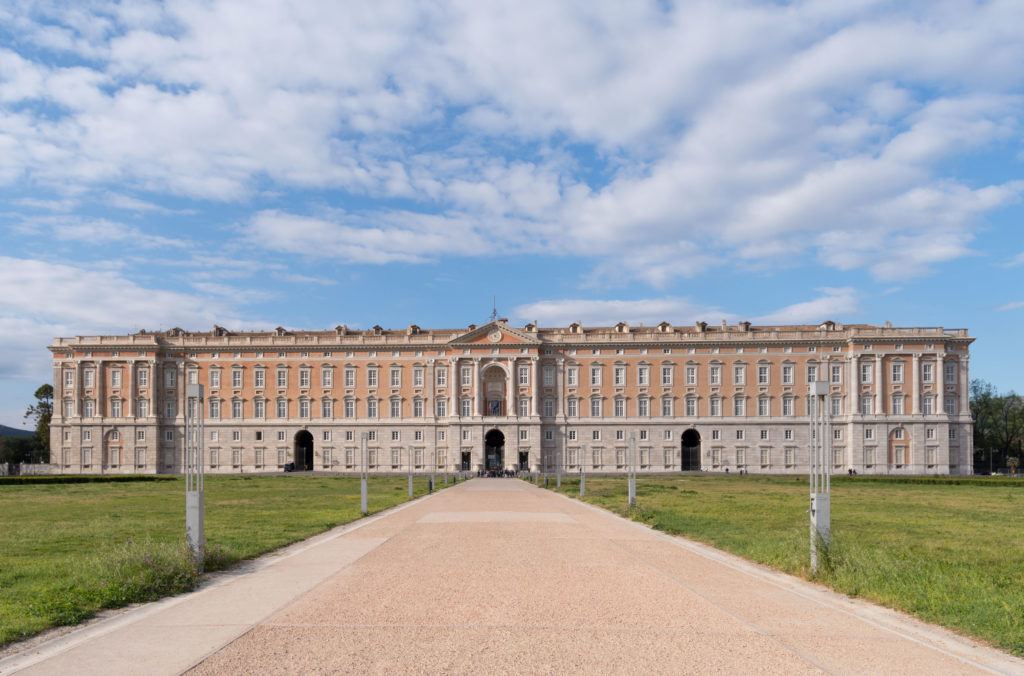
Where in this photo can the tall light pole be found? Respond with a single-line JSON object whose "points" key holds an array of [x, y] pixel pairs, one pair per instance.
{"points": [[409, 458], [820, 448], [194, 430], [583, 471], [363, 474], [631, 469]]}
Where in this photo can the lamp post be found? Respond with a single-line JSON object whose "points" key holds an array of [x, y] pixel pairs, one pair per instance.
{"points": [[820, 447], [363, 474], [559, 461], [194, 535], [583, 471], [631, 469], [409, 459]]}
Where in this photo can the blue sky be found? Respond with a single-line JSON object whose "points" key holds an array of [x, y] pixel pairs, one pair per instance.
{"points": [[307, 164]]}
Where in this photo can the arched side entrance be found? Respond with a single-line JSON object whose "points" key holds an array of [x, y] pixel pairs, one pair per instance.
{"points": [[690, 459], [495, 384], [494, 451], [304, 451]]}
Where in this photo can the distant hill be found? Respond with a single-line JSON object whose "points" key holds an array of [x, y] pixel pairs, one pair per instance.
{"points": [[6, 431]]}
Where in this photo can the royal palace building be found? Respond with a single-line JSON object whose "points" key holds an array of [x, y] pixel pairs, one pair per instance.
{"points": [[498, 397]]}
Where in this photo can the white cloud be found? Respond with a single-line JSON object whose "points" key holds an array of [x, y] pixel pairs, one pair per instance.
{"points": [[640, 134], [40, 301], [833, 304], [609, 312], [1015, 305]]}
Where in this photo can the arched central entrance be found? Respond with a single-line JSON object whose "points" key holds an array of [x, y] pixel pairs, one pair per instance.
{"points": [[494, 451], [304, 451], [690, 460]]}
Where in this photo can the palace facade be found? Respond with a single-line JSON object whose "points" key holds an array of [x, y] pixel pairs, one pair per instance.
{"points": [[702, 397]]}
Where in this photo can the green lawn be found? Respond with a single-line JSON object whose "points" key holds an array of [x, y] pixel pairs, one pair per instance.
{"points": [[68, 550], [950, 554]]}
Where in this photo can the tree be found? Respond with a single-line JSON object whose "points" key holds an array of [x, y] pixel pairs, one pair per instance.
{"points": [[998, 423], [41, 412]]}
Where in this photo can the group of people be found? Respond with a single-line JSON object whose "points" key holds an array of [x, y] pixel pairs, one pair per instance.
{"points": [[503, 473]]}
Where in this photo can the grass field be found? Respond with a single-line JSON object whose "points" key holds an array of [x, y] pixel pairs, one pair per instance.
{"points": [[950, 554], [68, 550]]}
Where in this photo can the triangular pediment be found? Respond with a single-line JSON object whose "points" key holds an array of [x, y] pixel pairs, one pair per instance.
{"points": [[495, 333]]}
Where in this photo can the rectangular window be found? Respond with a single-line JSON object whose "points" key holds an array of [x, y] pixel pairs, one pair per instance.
{"points": [[417, 377], [619, 376], [236, 378], [69, 378], [282, 378], [949, 405], [643, 407], [524, 407], [691, 406], [643, 376], [595, 376], [667, 435], [762, 407], [327, 378], [787, 406], [620, 408], [143, 377], [395, 435], [303, 377], [869, 433], [691, 375], [259, 378], [572, 408], [666, 376], [787, 435], [762, 375], [715, 375], [115, 378], [928, 406], [466, 407], [215, 408], [897, 372], [524, 375], [837, 433], [236, 435], [836, 406], [739, 375], [371, 377], [790, 457], [395, 377], [193, 377], [739, 435], [866, 373], [170, 410], [929, 433], [765, 457], [837, 374], [572, 435], [812, 373], [304, 408], [396, 408], [87, 377], [467, 376], [596, 435], [326, 408], [787, 374], [739, 406], [350, 408], [259, 408], [441, 377], [949, 371], [524, 435], [666, 406], [115, 408], [952, 433], [549, 375], [214, 378], [867, 405], [549, 408], [897, 404], [927, 372], [236, 409], [442, 408], [417, 408], [282, 408], [350, 378], [595, 408], [466, 435], [89, 408], [572, 376], [716, 435]]}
